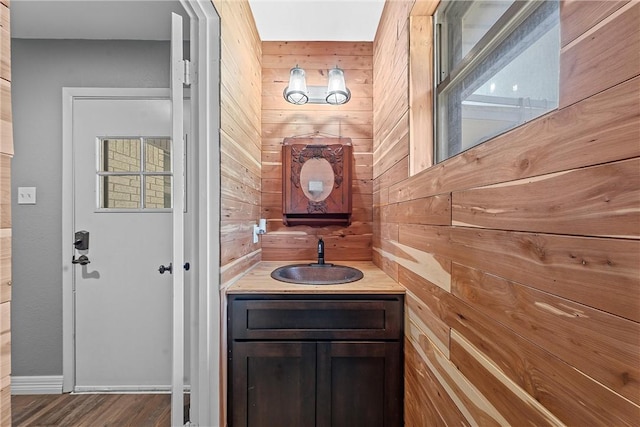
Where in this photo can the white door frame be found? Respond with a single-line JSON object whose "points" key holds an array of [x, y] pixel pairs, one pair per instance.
{"points": [[178, 79], [205, 298], [205, 303]]}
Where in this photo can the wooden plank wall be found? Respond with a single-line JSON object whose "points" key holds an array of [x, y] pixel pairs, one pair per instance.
{"points": [[6, 153], [240, 113], [240, 168], [521, 256], [281, 119]]}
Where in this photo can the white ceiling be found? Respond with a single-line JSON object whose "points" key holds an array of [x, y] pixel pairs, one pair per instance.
{"points": [[323, 20], [286, 20]]}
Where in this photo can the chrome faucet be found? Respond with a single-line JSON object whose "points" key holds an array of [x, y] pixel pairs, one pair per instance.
{"points": [[321, 252]]}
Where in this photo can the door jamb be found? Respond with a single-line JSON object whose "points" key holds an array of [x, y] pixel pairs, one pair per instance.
{"points": [[206, 360]]}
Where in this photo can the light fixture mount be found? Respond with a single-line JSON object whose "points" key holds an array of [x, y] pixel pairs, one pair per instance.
{"points": [[335, 93]]}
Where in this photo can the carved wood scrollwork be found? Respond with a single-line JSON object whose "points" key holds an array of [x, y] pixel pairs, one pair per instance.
{"points": [[333, 154], [317, 207]]}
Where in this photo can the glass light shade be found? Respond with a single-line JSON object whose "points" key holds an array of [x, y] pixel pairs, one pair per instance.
{"points": [[296, 92], [337, 92]]}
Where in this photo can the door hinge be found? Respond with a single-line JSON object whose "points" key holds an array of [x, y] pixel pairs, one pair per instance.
{"points": [[186, 77]]}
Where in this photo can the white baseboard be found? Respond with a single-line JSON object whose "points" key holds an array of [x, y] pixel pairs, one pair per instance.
{"points": [[45, 384], [52, 384], [124, 389]]}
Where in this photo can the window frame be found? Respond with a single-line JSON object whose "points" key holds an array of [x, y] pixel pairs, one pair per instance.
{"points": [[444, 79], [141, 172]]}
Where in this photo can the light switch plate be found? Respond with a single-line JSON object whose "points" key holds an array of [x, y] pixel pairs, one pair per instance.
{"points": [[26, 195]]}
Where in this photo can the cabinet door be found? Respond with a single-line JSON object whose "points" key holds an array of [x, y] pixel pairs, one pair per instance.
{"points": [[273, 384], [359, 384]]}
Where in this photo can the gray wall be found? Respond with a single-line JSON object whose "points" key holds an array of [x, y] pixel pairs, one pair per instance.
{"points": [[40, 68]]}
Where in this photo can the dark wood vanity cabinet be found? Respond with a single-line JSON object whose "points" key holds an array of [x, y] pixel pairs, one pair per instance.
{"points": [[315, 360]]}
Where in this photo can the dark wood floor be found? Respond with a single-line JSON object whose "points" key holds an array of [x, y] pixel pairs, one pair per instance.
{"points": [[92, 410]]}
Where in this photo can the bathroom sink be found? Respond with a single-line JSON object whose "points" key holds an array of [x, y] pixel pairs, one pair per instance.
{"points": [[316, 274]]}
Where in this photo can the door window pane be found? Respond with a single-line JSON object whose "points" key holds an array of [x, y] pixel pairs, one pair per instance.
{"points": [[120, 155], [120, 192], [157, 155], [134, 173], [157, 192]]}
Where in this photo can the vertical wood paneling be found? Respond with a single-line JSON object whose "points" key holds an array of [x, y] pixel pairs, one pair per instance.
{"points": [[282, 120], [528, 283], [421, 93], [424, 7]]}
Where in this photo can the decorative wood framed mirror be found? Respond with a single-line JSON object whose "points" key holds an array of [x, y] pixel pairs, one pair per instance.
{"points": [[316, 181]]}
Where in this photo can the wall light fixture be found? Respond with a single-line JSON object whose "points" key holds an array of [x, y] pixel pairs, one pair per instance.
{"points": [[335, 93]]}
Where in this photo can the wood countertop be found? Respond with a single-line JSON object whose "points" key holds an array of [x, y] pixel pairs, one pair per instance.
{"points": [[259, 280]]}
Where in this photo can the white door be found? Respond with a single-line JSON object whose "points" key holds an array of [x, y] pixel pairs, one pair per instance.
{"points": [[122, 154]]}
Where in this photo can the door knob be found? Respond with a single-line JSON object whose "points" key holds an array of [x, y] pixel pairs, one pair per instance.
{"points": [[82, 260], [162, 269]]}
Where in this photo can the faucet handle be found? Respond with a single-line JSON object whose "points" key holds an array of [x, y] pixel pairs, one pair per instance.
{"points": [[320, 251]]}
